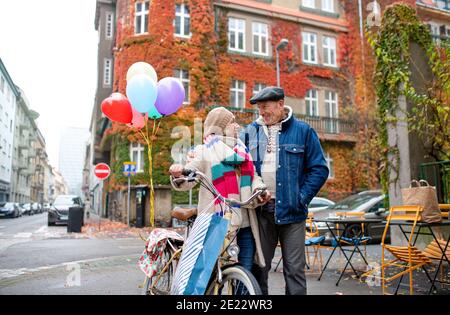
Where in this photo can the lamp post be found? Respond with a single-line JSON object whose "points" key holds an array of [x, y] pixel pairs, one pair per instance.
{"points": [[281, 45]]}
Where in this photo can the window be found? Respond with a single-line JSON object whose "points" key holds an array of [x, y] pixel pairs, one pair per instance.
{"points": [[236, 34], [329, 51], [183, 76], [258, 87], [328, 5], [330, 165], [109, 25], [182, 21], [237, 94], [331, 109], [309, 47], [2, 84], [309, 3], [260, 36], [312, 103], [107, 72], [141, 17], [137, 155]]}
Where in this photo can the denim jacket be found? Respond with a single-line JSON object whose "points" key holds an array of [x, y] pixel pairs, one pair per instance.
{"points": [[301, 166]]}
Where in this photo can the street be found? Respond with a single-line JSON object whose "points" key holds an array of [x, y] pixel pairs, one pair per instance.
{"points": [[36, 259]]}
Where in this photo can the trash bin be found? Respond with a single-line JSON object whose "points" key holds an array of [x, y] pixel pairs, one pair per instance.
{"points": [[75, 220]]}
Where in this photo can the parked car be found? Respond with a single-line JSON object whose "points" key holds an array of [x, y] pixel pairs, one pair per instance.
{"points": [[370, 202], [37, 208], [9, 209], [59, 211], [319, 203], [27, 209], [21, 208]]}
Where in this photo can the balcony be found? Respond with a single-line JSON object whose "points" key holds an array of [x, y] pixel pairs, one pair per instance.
{"points": [[334, 129]]}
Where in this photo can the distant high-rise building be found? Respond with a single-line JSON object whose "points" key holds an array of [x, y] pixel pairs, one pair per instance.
{"points": [[71, 157]]}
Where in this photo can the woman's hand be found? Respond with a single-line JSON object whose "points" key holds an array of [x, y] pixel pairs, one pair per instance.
{"points": [[265, 197], [176, 170]]}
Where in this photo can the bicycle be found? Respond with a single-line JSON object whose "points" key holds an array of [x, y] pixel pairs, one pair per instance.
{"points": [[228, 277]]}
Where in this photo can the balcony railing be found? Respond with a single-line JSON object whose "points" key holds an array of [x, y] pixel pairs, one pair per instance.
{"points": [[329, 125]]}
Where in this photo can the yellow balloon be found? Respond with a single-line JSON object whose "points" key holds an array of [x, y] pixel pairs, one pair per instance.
{"points": [[142, 68]]}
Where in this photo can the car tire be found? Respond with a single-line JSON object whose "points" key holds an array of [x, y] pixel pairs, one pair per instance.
{"points": [[51, 223]]}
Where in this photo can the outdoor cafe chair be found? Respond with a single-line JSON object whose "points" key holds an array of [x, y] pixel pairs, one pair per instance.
{"points": [[406, 258], [354, 238]]}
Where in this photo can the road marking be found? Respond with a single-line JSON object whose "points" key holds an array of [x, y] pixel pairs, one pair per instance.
{"points": [[23, 235], [43, 229]]}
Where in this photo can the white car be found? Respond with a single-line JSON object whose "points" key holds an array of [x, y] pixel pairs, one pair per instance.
{"points": [[319, 203]]}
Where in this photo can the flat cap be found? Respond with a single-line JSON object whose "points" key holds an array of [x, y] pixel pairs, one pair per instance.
{"points": [[270, 93]]}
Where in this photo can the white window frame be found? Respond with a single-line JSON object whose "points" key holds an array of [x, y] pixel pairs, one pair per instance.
{"points": [[328, 6], [261, 31], [258, 87], [332, 110], [183, 17], [109, 25], [329, 45], [140, 149], [235, 27], [236, 91], [185, 82], [313, 103], [330, 164], [309, 4], [107, 72], [143, 14], [309, 41]]}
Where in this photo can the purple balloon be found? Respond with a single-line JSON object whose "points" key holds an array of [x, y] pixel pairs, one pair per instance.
{"points": [[171, 95]]}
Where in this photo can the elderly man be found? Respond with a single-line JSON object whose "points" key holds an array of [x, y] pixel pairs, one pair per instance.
{"points": [[288, 156]]}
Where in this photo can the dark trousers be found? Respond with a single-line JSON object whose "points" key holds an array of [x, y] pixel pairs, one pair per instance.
{"points": [[292, 241]]}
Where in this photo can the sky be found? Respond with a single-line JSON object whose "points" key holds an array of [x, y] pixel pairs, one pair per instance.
{"points": [[49, 48]]}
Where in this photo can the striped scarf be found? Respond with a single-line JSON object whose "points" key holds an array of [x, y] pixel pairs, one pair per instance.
{"points": [[225, 161]]}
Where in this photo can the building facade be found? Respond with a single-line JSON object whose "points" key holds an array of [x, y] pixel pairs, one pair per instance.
{"points": [[224, 51], [8, 103], [71, 157], [96, 151]]}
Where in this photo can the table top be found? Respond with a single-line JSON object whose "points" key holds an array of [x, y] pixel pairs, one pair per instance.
{"points": [[398, 222], [349, 220]]}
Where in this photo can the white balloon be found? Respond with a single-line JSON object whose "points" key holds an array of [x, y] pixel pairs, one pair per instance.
{"points": [[142, 68]]}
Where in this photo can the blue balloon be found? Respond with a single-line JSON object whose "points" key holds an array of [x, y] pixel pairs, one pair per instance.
{"points": [[142, 93]]}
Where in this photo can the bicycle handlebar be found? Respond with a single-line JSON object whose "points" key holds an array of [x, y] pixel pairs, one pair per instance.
{"points": [[192, 175]]}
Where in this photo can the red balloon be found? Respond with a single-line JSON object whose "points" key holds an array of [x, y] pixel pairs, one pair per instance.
{"points": [[117, 108]]}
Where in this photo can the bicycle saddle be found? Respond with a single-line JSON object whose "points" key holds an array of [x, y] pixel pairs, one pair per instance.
{"points": [[183, 214]]}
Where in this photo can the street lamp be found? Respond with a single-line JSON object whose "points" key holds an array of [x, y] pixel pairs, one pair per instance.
{"points": [[281, 45]]}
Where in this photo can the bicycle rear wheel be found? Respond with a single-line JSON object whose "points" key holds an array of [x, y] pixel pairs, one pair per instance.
{"points": [[164, 278], [236, 280]]}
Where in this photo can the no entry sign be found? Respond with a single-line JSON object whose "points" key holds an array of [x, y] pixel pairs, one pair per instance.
{"points": [[102, 171]]}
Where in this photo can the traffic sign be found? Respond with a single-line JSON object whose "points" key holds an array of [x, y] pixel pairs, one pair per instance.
{"points": [[129, 168], [102, 171]]}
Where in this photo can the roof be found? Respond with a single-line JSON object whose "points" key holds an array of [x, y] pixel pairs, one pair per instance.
{"points": [[8, 78]]}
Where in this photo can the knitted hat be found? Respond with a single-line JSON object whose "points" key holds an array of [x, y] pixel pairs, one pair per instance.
{"points": [[217, 120]]}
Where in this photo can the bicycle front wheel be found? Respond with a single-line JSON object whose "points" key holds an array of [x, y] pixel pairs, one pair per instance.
{"points": [[236, 280]]}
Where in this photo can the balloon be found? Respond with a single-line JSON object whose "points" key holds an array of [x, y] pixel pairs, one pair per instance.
{"points": [[138, 120], [154, 114], [117, 108], [142, 68], [142, 93], [171, 95]]}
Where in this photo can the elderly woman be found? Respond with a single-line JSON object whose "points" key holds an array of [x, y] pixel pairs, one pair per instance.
{"points": [[225, 160]]}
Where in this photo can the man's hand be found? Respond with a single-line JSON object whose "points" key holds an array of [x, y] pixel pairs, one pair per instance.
{"points": [[265, 197], [176, 170]]}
